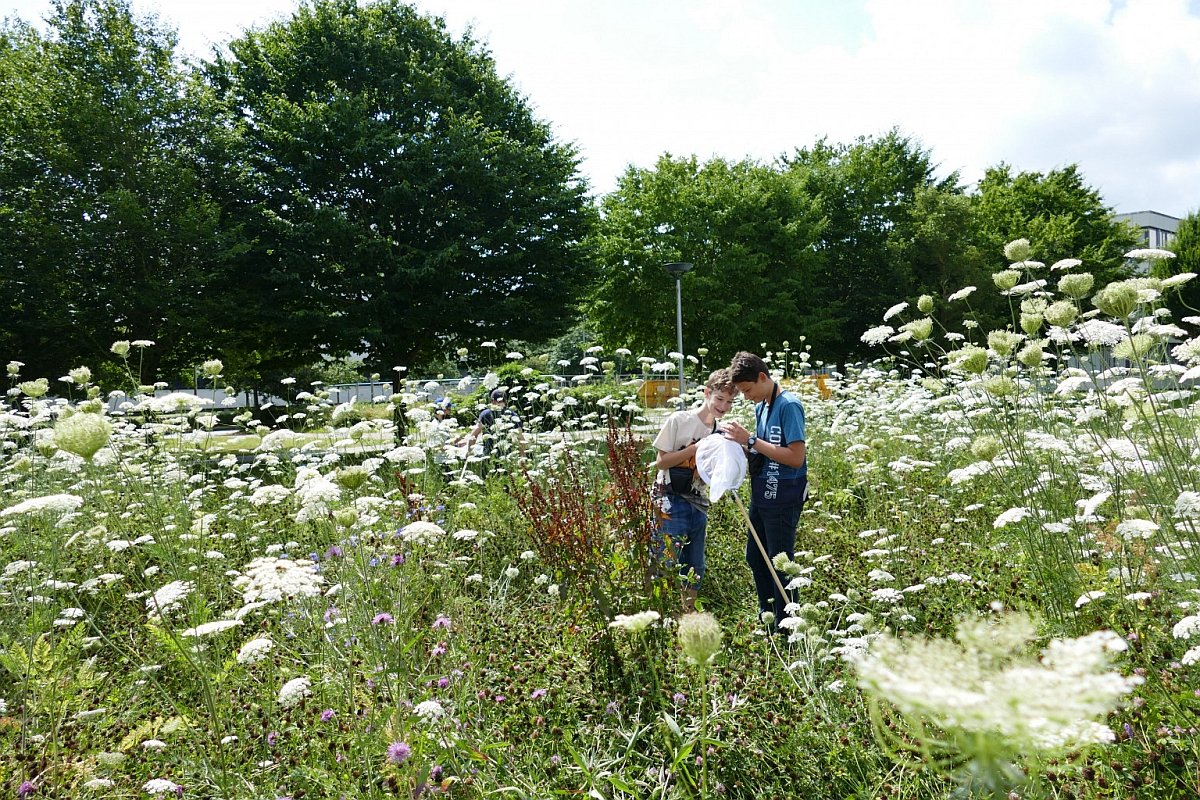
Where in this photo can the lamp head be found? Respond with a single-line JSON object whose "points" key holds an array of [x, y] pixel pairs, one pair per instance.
{"points": [[677, 268]]}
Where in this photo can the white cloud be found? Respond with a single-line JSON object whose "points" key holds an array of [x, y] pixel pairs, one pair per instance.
{"points": [[1113, 86]]}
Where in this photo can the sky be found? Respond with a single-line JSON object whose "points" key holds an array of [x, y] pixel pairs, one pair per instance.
{"points": [[1112, 86]]}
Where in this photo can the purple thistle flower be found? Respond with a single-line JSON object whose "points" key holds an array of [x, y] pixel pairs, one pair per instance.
{"points": [[443, 683], [435, 772], [441, 622], [327, 715], [537, 694], [397, 559], [678, 697], [398, 752], [382, 618], [26, 788], [333, 552]]}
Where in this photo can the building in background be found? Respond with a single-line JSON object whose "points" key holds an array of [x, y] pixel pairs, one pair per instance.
{"points": [[1157, 229]]}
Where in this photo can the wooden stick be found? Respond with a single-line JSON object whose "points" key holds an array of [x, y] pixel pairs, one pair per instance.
{"points": [[754, 534]]}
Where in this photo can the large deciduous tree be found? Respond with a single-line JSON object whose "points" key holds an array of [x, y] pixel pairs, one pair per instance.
{"points": [[749, 234], [1060, 215], [399, 198], [106, 229], [881, 242]]}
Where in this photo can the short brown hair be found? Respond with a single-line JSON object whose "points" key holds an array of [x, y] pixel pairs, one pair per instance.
{"points": [[721, 380], [746, 367]]}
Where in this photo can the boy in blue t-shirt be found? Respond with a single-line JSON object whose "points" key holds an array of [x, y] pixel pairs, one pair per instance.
{"points": [[778, 477]]}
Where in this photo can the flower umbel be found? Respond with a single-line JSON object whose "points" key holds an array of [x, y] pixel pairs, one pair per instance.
{"points": [[990, 697], [700, 637]]}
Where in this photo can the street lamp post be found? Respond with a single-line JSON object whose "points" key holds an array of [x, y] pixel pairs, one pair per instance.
{"points": [[677, 268]]}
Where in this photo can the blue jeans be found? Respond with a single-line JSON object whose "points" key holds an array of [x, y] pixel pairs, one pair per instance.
{"points": [[776, 528], [685, 524]]}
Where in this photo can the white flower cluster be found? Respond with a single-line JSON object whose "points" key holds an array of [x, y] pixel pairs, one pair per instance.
{"points": [[50, 504], [294, 691], [422, 532], [168, 599], [316, 494], [254, 651], [157, 786], [272, 579], [271, 494], [635, 623], [983, 685], [174, 403], [210, 628]]}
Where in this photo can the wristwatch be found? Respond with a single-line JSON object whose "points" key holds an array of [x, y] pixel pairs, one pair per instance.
{"points": [[753, 440]]}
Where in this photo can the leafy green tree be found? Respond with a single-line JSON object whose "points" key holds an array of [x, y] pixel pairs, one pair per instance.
{"points": [[107, 231], [399, 198], [1058, 213], [1186, 247], [748, 232], [880, 242]]}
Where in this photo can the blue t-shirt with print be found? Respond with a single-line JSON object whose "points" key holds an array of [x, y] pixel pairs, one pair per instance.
{"points": [[781, 423]]}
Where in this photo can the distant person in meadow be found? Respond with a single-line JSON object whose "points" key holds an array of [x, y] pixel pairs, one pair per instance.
{"points": [[497, 426], [778, 470], [680, 497]]}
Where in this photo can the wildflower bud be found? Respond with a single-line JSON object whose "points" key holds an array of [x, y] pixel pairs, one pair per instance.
{"points": [[700, 637], [1000, 386], [1077, 285], [1018, 250], [345, 517], [36, 388], [1006, 279], [120, 348], [81, 375], [921, 329], [1031, 323], [82, 434], [1119, 299], [1135, 347], [925, 304], [212, 368], [970, 359], [702, 351], [986, 447], [1031, 355], [14, 368], [1003, 342], [933, 386], [351, 477], [1061, 314]]}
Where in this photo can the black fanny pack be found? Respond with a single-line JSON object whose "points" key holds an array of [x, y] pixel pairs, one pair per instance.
{"points": [[680, 480]]}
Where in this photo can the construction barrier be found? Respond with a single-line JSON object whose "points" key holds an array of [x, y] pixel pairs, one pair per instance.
{"points": [[656, 394]]}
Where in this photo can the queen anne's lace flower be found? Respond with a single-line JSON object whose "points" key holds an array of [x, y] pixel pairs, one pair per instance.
{"points": [[82, 434], [273, 579], [254, 651], [57, 504], [634, 623], [295, 690], [700, 637], [982, 685]]}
